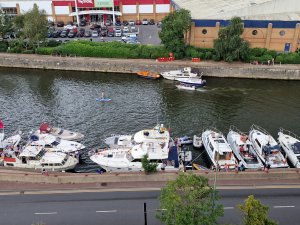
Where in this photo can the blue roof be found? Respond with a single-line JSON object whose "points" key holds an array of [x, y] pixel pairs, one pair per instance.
{"points": [[248, 23]]}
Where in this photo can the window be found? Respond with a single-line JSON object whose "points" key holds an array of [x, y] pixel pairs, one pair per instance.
{"points": [[10, 11], [257, 142], [204, 31], [282, 33], [254, 32]]}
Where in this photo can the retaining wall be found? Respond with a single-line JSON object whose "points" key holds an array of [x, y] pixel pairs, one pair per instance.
{"points": [[210, 69]]}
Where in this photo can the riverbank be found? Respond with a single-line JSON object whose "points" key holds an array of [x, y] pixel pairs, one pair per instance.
{"points": [[27, 180], [209, 69]]}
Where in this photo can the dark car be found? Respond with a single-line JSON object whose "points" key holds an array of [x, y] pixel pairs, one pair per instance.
{"points": [[81, 32], [103, 31], [151, 22], [72, 34], [49, 34], [138, 22], [64, 33], [82, 23], [88, 33], [125, 23], [56, 33], [70, 23], [118, 23], [60, 24], [110, 32], [95, 26]]}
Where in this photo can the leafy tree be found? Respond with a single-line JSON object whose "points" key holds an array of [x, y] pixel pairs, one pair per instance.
{"points": [[230, 46], [255, 213], [189, 200], [35, 26], [148, 166], [174, 26], [6, 24]]}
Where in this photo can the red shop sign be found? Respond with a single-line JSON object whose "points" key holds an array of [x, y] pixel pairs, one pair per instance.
{"points": [[85, 3]]}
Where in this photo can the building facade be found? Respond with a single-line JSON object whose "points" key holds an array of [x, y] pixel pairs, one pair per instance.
{"points": [[92, 10]]}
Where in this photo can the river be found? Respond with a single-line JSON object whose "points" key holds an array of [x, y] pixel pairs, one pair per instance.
{"points": [[67, 99]]}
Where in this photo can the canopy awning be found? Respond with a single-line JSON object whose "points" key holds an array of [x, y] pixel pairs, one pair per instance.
{"points": [[95, 12]]}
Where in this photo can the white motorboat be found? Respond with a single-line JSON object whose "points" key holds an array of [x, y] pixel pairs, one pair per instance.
{"points": [[154, 142], [55, 144], [186, 87], [119, 141], [218, 149], [266, 148], [185, 140], [186, 72], [193, 81], [197, 141], [11, 142], [61, 133], [290, 143], [36, 157], [243, 149]]}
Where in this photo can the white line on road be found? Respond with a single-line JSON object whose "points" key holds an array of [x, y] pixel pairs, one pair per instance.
{"points": [[45, 213], [228, 207], [108, 211], [284, 206]]}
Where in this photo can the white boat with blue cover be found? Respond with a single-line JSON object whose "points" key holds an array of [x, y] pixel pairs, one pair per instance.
{"points": [[266, 148], [184, 86], [243, 149], [290, 143], [193, 81]]}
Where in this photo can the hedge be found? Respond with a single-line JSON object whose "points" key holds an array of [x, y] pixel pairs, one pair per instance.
{"points": [[3, 46]]}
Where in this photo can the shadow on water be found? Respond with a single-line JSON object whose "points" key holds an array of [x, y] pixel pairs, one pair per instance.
{"points": [[67, 99]]}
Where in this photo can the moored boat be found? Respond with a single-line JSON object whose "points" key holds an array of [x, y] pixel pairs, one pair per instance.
{"points": [[185, 140], [243, 149], [184, 86], [266, 148], [148, 75], [218, 149], [197, 141], [194, 81], [290, 143], [186, 72]]}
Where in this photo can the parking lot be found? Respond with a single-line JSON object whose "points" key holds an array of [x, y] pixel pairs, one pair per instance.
{"points": [[146, 34]]}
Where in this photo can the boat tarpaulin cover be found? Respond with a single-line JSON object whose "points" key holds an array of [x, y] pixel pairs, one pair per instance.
{"points": [[44, 127], [173, 155], [1, 124]]}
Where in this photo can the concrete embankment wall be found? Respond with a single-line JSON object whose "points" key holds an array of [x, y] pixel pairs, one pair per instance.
{"points": [[62, 178], [210, 69]]}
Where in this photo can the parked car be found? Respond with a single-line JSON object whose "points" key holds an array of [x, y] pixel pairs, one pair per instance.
{"points": [[64, 33], [138, 22], [108, 23], [118, 32], [60, 24], [49, 34], [70, 23], [131, 23], [125, 23], [81, 32], [159, 24], [125, 30], [151, 22], [110, 32], [56, 33], [118, 23], [72, 33], [95, 33], [103, 31], [95, 26], [145, 22], [88, 33], [82, 23]]}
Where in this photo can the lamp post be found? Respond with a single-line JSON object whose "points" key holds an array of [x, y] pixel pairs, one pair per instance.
{"points": [[76, 9]]}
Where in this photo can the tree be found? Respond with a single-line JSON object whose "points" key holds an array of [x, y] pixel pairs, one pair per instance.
{"points": [[189, 200], [255, 213], [230, 46], [6, 24], [148, 166], [35, 26], [174, 26]]}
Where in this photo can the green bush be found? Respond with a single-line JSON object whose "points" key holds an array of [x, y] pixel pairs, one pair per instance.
{"points": [[27, 51], [148, 166], [279, 59], [257, 52], [52, 43], [14, 50], [3, 46]]}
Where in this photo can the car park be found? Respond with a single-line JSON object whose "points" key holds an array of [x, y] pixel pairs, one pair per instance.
{"points": [[151, 22], [131, 23], [118, 23], [108, 23], [103, 31], [82, 23], [56, 33], [110, 32], [81, 32], [95, 33], [125, 23], [60, 24], [145, 22], [118, 32], [72, 33], [138, 22], [64, 33], [88, 33], [125, 30]]}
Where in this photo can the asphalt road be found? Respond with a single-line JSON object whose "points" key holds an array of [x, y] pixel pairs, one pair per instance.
{"points": [[126, 208]]}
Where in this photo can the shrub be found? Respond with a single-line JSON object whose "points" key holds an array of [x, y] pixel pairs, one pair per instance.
{"points": [[3, 46], [279, 59], [44, 51], [27, 52], [257, 52], [148, 166], [52, 43]]}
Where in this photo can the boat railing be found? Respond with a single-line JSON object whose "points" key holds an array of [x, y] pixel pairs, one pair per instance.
{"points": [[212, 128], [235, 129], [256, 127], [290, 133]]}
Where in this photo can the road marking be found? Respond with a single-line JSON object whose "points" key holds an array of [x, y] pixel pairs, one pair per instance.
{"points": [[108, 211], [284, 206], [46, 213], [228, 207]]}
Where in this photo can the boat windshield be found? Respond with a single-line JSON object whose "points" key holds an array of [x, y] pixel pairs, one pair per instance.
{"points": [[270, 149], [56, 142], [224, 156], [296, 148], [40, 154]]}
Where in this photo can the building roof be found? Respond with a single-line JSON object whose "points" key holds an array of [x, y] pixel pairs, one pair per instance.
{"points": [[247, 9]]}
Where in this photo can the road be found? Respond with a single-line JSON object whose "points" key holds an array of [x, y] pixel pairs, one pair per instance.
{"points": [[126, 207]]}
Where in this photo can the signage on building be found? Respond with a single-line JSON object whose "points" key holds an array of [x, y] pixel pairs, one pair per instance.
{"points": [[85, 3], [104, 3]]}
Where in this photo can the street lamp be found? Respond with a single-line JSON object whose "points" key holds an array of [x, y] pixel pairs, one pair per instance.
{"points": [[76, 9]]}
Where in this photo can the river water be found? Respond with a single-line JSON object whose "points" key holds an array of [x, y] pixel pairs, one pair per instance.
{"points": [[67, 99]]}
